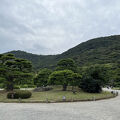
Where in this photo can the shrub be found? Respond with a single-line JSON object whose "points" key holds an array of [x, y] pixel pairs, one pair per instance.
{"points": [[24, 86], [93, 79], [23, 94], [12, 95], [90, 85], [31, 86], [16, 87]]}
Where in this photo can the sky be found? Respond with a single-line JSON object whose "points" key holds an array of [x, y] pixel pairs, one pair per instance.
{"points": [[54, 26]]}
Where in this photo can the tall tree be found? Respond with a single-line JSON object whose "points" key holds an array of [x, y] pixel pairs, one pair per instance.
{"points": [[42, 78], [93, 79], [14, 70], [61, 78], [75, 80]]}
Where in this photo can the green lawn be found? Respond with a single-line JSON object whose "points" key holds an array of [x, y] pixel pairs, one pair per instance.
{"points": [[56, 95]]}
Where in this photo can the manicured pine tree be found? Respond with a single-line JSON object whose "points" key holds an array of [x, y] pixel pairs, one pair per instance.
{"points": [[14, 70]]}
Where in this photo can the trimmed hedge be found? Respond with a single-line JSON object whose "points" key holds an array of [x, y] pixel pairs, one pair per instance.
{"points": [[23, 94]]}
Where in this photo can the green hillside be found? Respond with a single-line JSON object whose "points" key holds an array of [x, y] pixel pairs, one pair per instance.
{"points": [[100, 50], [39, 61]]}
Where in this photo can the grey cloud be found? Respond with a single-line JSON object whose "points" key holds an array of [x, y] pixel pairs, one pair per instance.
{"points": [[53, 26]]}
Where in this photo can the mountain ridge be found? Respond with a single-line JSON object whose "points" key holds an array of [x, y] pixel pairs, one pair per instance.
{"points": [[95, 51]]}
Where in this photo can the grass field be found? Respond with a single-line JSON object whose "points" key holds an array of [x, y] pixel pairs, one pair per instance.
{"points": [[56, 95]]}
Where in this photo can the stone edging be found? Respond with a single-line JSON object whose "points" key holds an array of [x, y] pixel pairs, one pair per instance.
{"points": [[104, 98]]}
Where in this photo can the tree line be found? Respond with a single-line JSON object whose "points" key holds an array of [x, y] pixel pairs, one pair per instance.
{"points": [[67, 73], [17, 72]]}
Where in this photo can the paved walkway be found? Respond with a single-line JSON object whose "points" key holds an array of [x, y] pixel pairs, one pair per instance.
{"points": [[98, 110]]}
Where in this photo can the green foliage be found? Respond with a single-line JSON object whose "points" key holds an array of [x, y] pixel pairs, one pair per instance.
{"points": [[67, 64], [16, 87], [117, 77], [90, 85], [13, 70], [96, 51], [1, 85], [104, 51], [27, 86], [24, 86], [25, 78], [31, 86], [2, 79], [93, 79], [112, 75], [76, 79], [23, 94], [38, 61], [61, 78], [42, 78]]}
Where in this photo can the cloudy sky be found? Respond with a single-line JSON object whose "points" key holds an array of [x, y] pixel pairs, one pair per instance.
{"points": [[54, 26]]}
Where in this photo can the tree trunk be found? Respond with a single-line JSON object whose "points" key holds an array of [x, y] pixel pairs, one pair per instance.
{"points": [[10, 87], [73, 90], [10, 84], [64, 87]]}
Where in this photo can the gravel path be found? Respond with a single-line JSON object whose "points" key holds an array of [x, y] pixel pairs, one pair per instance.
{"points": [[98, 110]]}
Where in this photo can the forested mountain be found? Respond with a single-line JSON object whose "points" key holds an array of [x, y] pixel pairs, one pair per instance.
{"points": [[99, 50], [39, 61]]}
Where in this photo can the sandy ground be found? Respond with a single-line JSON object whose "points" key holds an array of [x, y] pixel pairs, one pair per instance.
{"points": [[95, 110]]}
